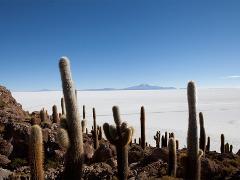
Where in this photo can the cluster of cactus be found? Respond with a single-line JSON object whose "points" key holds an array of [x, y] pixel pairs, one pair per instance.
{"points": [[75, 153], [120, 136], [193, 167], [225, 148], [142, 120], [36, 153], [157, 138]]}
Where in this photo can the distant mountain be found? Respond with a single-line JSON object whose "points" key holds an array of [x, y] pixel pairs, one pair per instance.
{"points": [[147, 87], [139, 87]]}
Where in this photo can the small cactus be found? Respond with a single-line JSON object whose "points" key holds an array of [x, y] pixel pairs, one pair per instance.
{"points": [[202, 142], [36, 153], [172, 158], [193, 154], [142, 120], [55, 114], [157, 139], [75, 153], [222, 148], [120, 136]]}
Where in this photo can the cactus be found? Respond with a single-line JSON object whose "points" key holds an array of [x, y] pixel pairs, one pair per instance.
{"points": [[62, 138], [55, 114], [202, 142], [208, 144], [95, 132], [84, 121], [45, 121], [222, 148], [142, 120], [135, 141], [74, 155], [63, 106], [100, 133], [193, 155], [157, 139], [36, 153], [166, 140], [177, 144], [163, 141], [120, 136], [231, 148], [172, 157], [227, 150]]}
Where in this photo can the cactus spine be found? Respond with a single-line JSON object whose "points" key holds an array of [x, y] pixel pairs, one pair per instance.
{"points": [[55, 114], [193, 162], [36, 153], [222, 148], [74, 155], [202, 143], [172, 158], [95, 132], [142, 119], [120, 136]]}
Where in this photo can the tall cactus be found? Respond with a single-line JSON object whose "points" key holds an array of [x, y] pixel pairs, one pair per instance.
{"points": [[95, 131], [202, 142], [55, 114], [36, 153], [74, 155], [142, 120], [172, 158], [120, 136], [222, 148], [193, 162]]}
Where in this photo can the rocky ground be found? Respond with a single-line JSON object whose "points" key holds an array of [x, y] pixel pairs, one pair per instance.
{"points": [[150, 163]]}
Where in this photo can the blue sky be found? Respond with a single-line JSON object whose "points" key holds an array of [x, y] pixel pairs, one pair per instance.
{"points": [[113, 43]]}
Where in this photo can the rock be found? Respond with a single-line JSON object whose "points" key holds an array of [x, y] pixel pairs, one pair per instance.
{"points": [[102, 153], [135, 154], [98, 171], [4, 161], [6, 148], [157, 153]]}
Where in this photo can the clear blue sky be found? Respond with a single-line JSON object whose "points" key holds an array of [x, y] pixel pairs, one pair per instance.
{"points": [[113, 43]]}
